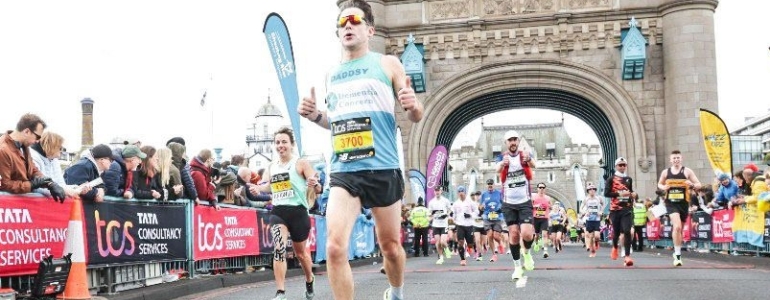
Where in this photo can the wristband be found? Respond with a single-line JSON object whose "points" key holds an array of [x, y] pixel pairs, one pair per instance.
{"points": [[318, 118]]}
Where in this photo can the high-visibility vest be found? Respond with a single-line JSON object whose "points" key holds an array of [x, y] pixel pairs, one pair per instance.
{"points": [[419, 217], [640, 214]]}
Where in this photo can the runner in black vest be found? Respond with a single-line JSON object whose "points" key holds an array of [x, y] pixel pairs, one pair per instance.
{"points": [[677, 181], [620, 189]]}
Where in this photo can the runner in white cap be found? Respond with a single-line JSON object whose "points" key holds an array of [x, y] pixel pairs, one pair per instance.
{"points": [[592, 211]]}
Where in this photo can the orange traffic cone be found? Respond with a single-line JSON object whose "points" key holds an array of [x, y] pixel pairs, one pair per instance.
{"points": [[77, 282]]}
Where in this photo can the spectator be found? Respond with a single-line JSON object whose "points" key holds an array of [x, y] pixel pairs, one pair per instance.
{"points": [[90, 167], [226, 187], [236, 162], [738, 177], [146, 182], [758, 187], [170, 177], [201, 172], [750, 172], [118, 180], [45, 155], [248, 194], [18, 172], [179, 160], [728, 191]]}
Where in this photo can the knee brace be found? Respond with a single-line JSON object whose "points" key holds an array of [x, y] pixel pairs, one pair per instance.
{"points": [[279, 247]]}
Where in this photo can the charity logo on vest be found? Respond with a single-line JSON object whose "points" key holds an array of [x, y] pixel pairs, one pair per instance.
{"points": [[349, 73], [357, 98]]}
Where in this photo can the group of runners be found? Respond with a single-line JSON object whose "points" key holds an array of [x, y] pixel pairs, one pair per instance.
{"points": [[360, 107]]}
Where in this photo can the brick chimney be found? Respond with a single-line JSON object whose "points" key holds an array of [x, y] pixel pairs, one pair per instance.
{"points": [[87, 134]]}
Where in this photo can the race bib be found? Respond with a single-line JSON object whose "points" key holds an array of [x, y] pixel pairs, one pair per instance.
{"points": [[554, 222], [540, 213], [281, 186], [516, 179], [493, 216], [678, 190], [353, 139]]}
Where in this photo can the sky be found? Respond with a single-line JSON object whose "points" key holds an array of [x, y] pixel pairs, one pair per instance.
{"points": [[146, 64]]}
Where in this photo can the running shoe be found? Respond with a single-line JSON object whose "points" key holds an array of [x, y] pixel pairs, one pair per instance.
{"points": [[479, 258], [463, 263], [447, 253], [545, 254], [518, 273], [529, 263], [508, 252], [536, 246], [593, 254], [309, 289], [614, 253], [628, 261], [677, 261], [494, 258], [382, 270], [279, 296], [440, 261], [387, 295]]}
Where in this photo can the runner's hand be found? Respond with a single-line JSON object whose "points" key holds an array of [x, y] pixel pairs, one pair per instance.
{"points": [[406, 96], [308, 105]]}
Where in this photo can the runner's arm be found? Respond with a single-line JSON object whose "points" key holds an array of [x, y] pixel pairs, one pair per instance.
{"points": [[695, 183], [405, 95], [309, 173], [662, 181]]}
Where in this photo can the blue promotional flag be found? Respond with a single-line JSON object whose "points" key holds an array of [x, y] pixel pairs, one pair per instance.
{"points": [[279, 43]]}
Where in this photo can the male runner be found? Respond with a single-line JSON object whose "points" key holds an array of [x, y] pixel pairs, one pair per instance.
{"points": [[677, 181], [479, 234], [464, 211], [361, 93], [439, 209], [491, 200], [517, 202], [592, 211], [620, 188]]}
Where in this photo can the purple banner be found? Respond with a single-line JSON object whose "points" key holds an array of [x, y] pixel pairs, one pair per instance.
{"points": [[436, 162]]}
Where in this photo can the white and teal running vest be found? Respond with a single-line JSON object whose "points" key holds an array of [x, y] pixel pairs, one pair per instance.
{"points": [[287, 186], [360, 102]]}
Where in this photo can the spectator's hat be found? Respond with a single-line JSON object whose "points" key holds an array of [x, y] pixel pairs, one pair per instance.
{"points": [[752, 167], [176, 140], [131, 141], [511, 134], [461, 189], [133, 151], [723, 176], [101, 151], [621, 160]]}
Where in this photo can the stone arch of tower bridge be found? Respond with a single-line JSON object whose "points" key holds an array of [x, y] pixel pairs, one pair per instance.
{"points": [[574, 88]]}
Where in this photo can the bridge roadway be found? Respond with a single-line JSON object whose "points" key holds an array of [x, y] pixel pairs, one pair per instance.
{"points": [[570, 274]]}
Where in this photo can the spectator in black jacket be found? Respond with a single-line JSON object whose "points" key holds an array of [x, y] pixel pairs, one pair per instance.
{"points": [[119, 178], [146, 180], [178, 159], [89, 168]]}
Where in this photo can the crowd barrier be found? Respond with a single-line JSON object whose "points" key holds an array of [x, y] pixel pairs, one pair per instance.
{"points": [[742, 230], [136, 243]]}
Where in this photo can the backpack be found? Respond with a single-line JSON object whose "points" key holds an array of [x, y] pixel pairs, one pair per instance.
{"points": [[526, 167]]}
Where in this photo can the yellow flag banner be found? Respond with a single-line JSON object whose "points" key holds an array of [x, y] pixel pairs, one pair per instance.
{"points": [[749, 225], [572, 215], [716, 139]]}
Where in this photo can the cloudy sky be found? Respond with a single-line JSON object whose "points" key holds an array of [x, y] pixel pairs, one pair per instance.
{"points": [[147, 64]]}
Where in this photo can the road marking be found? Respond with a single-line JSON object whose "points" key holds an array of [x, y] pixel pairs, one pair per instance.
{"points": [[492, 294]]}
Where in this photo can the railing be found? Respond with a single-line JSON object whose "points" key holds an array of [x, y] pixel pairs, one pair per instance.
{"points": [[115, 265]]}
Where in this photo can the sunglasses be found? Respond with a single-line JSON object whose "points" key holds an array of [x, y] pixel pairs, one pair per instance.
{"points": [[37, 136], [591, 189], [541, 187], [513, 139], [353, 19], [621, 165]]}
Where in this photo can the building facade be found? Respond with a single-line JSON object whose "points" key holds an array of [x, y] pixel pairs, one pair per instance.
{"points": [[754, 133]]}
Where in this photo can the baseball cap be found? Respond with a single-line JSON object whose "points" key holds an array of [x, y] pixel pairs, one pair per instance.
{"points": [[490, 181], [461, 189], [133, 151], [101, 151], [510, 133], [131, 141], [752, 167], [620, 160], [437, 188], [590, 186]]}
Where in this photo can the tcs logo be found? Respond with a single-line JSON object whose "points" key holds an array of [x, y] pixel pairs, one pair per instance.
{"points": [[209, 236]]}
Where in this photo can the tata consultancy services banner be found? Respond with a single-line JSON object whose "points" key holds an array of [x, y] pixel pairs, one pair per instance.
{"points": [[226, 233], [722, 226], [131, 231], [31, 228]]}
